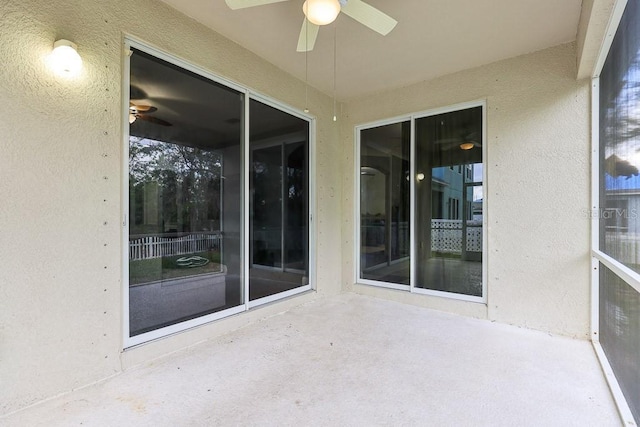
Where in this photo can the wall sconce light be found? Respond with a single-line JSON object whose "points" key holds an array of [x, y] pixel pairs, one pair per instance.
{"points": [[321, 12], [64, 58], [467, 145]]}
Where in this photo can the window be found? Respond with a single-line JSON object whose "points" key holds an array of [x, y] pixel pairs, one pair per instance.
{"points": [[189, 222], [421, 211], [617, 226], [454, 212]]}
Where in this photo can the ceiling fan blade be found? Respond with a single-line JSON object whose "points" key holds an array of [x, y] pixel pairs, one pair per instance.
{"points": [[242, 4], [449, 141], [308, 30], [152, 119], [139, 108], [369, 16]]}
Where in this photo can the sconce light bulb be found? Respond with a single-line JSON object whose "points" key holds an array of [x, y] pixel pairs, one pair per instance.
{"points": [[64, 58], [420, 176]]}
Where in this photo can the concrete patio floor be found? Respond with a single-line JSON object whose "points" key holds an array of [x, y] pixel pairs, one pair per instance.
{"points": [[352, 360]]}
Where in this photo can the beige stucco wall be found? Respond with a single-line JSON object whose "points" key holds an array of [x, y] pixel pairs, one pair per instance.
{"points": [[537, 190], [61, 168]]}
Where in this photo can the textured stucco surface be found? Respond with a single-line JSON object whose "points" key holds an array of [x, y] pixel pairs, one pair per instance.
{"points": [[61, 163], [537, 159]]}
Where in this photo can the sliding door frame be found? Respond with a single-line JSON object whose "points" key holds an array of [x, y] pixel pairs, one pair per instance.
{"points": [[247, 95], [598, 256], [357, 210], [311, 195], [411, 118]]}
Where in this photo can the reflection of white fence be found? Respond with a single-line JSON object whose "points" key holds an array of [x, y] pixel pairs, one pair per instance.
{"points": [[147, 247], [446, 236]]}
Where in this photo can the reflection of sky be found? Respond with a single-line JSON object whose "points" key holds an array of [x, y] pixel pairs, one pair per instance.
{"points": [[478, 195], [477, 177], [621, 183], [477, 172]]}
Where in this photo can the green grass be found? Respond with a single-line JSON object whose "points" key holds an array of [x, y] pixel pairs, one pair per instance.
{"points": [[151, 270]]}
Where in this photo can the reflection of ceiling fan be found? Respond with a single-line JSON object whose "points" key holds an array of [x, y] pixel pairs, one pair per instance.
{"points": [[141, 111], [465, 142], [368, 171], [323, 12]]}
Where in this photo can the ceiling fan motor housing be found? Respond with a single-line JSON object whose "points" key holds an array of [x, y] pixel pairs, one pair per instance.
{"points": [[323, 12]]}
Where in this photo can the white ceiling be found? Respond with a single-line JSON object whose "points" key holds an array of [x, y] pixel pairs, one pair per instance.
{"points": [[432, 38]]}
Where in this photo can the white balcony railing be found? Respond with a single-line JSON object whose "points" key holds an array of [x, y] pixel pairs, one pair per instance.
{"points": [[446, 236]]}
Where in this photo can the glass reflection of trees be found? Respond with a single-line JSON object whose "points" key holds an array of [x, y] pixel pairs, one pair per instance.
{"points": [[176, 187]]}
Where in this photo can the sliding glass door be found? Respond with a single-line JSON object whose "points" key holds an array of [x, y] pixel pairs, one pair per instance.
{"points": [[421, 209], [448, 189], [218, 198], [184, 177], [279, 204], [384, 203]]}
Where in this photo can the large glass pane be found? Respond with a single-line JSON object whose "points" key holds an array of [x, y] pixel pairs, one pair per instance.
{"points": [[385, 203], [267, 206], [620, 143], [449, 202], [296, 231], [184, 195], [279, 182], [620, 334]]}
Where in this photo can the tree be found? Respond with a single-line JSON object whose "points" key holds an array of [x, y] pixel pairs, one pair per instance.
{"points": [[188, 182]]}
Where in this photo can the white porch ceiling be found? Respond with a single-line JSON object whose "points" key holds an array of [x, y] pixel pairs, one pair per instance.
{"points": [[432, 38]]}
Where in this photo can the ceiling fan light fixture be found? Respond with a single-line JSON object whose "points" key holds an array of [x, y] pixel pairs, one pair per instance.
{"points": [[321, 12], [467, 145]]}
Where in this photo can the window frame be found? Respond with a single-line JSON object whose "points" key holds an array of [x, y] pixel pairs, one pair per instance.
{"points": [[412, 288], [597, 255], [248, 94], [631, 277]]}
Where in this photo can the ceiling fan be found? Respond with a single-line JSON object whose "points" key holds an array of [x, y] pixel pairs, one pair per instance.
{"points": [[142, 111], [464, 142], [323, 12]]}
